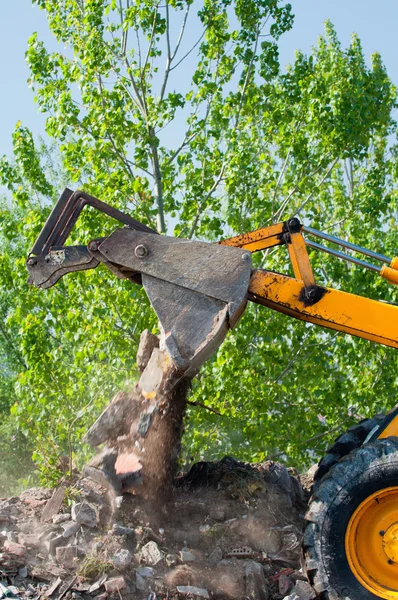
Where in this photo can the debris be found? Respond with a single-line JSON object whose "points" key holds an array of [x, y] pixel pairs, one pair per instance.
{"points": [[148, 342], [57, 519], [6, 592], [66, 585], [67, 556], [115, 584], [191, 590], [151, 554], [285, 584], [54, 586], [14, 548], [23, 572], [145, 571], [153, 373], [255, 583], [121, 530], [71, 527], [301, 591], [187, 556], [53, 543], [85, 513], [98, 584], [140, 583], [244, 552], [171, 560], [122, 558], [53, 504]]}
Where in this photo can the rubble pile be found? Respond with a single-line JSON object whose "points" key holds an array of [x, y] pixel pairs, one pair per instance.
{"points": [[232, 531]]}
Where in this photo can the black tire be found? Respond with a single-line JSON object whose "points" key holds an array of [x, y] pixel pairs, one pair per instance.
{"points": [[353, 438], [360, 474]]}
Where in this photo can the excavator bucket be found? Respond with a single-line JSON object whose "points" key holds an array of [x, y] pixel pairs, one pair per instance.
{"points": [[198, 290]]}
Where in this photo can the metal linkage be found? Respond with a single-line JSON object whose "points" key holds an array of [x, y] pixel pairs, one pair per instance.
{"points": [[354, 247]]}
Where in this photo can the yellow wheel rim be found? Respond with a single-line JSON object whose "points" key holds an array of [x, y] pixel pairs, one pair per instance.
{"points": [[371, 543]]}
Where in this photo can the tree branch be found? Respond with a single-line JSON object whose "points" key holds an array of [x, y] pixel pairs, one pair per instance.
{"points": [[213, 410], [298, 211], [204, 200]]}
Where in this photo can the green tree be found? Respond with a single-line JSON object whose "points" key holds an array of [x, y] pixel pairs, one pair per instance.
{"points": [[255, 145]]}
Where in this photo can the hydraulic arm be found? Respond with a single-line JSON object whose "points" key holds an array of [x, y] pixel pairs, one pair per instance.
{"points": [[200, 290]]}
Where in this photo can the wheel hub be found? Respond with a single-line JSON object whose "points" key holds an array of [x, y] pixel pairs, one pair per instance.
{"points": [[371, 543], [390, 543]]}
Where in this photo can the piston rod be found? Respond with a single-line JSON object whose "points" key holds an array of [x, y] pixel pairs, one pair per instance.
{"points": [[356, 261], [354, 247]]}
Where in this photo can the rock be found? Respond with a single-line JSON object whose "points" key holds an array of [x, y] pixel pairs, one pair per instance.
{"points": [[255, 583], [23, 572], [53, 504], [115, 584], [148, 342], [171, 560], [152, 375], [145, 571], [191, 590], [215, 556], [187, 556], [115, 420], [122, 558], [54, 586], [57, 519], [85, 514], [30, 540], [271, 541], [97, 585], [285, 584], [70, 528], [53, 543], [301, 591], [151, 554], [140, 583], [141, 576], [14, 548], [67, 556], [121, 530]]}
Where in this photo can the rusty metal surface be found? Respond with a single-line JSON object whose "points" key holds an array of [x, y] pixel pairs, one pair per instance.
{"points": [[220, 272], [46, 270], [65, 214], [194, 325]]}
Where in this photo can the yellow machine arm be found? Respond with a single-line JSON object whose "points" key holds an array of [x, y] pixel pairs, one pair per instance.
{"points": [[301, 298]]}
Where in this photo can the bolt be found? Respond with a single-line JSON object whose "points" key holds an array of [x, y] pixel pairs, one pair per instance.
{"points": [[381, 533], [245, 256], [141, 251], [32, 262], [93, 246], [390, 562], [294, 225]]}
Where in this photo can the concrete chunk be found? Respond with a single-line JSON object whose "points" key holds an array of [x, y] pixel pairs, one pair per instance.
{"points": [[148, 342]]}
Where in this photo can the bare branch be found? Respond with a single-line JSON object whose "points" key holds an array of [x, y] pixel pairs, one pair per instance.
{"points": [[150, 40], [204, 200], [189, 51], [298, 211], [181, 34], [213, 410]]}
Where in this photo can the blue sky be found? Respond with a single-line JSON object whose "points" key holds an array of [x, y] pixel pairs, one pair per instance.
{"points": [[375, 23]]}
